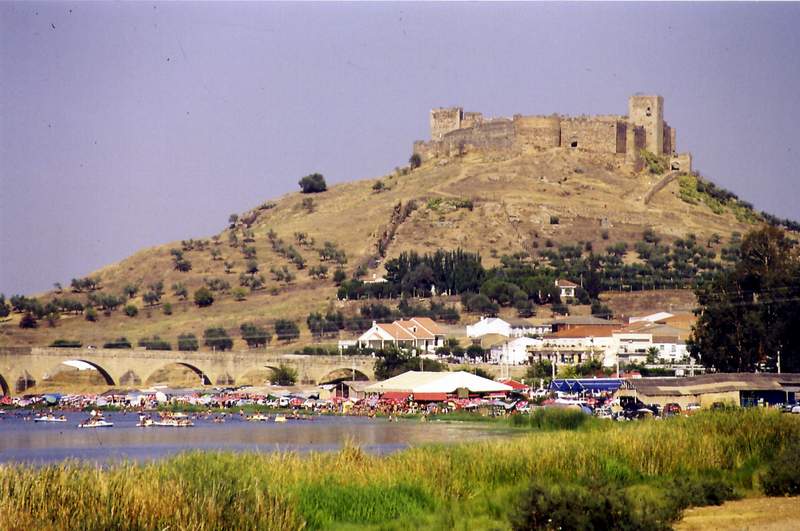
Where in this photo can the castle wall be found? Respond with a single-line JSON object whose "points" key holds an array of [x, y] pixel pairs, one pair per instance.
{"points": [[471, 119], [634, 143], [669, 140], [494, 134], [538, 131], [598, 133], [681, 162]]}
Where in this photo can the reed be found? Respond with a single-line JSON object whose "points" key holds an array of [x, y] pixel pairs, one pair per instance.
{"points": [[469, 485]]}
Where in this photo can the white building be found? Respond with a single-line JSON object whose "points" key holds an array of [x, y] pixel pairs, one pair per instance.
{"points": [[514, 352], [501, 327], [567, 288]]}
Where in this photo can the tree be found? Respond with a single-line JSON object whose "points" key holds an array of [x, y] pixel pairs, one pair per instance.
{"points": [[28, 321], [120, 342], [415, 161], [91, 314], [239, 293], [539, 370], [131, 310], [748, 315], [180, 291], [154, 343], [130, 290], [167, 308], [217, 338], [187, 342], [283, 375], [5, 310], [339, 276], [286, 330], [255, 336], [232, 219], [313, 183], [203, 297]]}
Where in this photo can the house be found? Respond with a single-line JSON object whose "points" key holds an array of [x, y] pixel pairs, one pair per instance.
{"points": [[513, 352], [510, 328], [420, 333], [436, 386], [567, 288], [489, 325], [578, 344]]}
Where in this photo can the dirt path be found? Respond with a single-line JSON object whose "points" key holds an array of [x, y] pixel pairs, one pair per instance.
{"points": [[770, 514]]}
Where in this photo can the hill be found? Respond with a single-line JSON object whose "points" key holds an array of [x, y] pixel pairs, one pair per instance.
{"points": [[491, 203]]}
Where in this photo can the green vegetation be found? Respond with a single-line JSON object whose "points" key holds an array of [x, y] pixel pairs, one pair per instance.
{"points": [[217, 338], [631, 476], [154, 343], [120, 342], [66, 343], [748, 315], [255, 336], [696, 190], [313, 183], [283, 375], [286, 330], [203, 297], [187, 342], [655, 164]]}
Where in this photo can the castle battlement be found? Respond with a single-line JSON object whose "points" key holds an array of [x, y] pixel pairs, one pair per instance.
{"points": [[455, 131]]}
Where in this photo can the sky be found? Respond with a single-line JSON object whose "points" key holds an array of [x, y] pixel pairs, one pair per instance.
{"points": [[127, 125]]}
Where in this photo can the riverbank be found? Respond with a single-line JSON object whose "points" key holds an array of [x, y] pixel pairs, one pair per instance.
{"points": [[647, 470]]}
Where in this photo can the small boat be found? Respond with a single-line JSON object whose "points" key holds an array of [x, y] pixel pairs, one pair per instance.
{"points": [[96, 423], [258, 417], [280, 418], [145, 423], [174, 423], [50, 418]]}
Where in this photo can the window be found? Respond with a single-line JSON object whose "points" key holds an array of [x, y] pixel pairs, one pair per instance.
{"points": [[574, 144], [648, 112]]}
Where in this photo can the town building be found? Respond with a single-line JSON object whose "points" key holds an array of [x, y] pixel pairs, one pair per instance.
{"points": [[739, 389], [566, 288], [514, 351], [417, 333], [507, 328]]}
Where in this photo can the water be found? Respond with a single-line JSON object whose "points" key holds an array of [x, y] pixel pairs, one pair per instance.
{"points": [[40, 443]]}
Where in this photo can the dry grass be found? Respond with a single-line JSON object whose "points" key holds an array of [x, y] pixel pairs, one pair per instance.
{"points": [[513, 201], [768, 514]]}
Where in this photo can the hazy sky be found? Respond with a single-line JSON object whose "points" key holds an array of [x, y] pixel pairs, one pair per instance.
{"points": [[125, 125]]}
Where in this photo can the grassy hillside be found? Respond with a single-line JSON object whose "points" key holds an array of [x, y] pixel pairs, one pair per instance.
{"points": [[492, 204]]}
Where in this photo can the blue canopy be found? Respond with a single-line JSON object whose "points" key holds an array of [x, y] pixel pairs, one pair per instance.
{"points": [[580, 385]]}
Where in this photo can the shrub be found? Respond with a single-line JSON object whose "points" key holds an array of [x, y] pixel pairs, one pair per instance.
{"points": [[167, 308], [313, 183], [187, 342], [217, 338], [255, 336], [154, 343], [782, 477], [203, 297], [565, 506], [29, 321], [655, 164], [66, 343], [415, 161], [90, 314], [284, 375], [120, 342], [239, 294], [286, 330], [131, 310]]}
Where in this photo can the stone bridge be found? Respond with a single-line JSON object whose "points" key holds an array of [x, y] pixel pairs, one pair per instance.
{"points": [[22, 367]]}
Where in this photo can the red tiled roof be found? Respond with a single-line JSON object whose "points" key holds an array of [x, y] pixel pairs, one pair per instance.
{"points": [[517, 386], [561, 283], [429, 324]]}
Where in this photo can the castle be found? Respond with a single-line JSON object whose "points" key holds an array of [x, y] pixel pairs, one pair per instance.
{"points": [[454, 131]]}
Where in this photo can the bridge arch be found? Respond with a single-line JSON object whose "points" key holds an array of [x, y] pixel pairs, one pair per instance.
{"points": [[24, 382], [258, 375], [164, 369], [4, 386], [79, 365], [343, 374]]}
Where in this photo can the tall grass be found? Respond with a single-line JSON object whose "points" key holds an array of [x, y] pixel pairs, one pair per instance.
{"points": [[470, 485]]}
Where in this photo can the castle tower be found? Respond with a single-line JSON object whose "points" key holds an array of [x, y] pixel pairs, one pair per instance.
{"points": [[648, 112], [444, 120]]}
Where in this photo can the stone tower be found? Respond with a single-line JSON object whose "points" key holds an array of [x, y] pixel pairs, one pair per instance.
{"points": [[648, 112]]}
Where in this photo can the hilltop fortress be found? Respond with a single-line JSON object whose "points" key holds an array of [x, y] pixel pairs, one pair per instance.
{"points": [[454, 131]]}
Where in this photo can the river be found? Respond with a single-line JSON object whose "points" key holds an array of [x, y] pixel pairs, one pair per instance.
{"points": [[40, 443]]}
